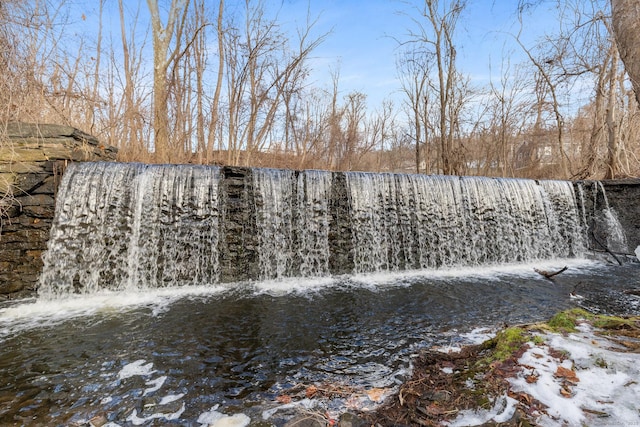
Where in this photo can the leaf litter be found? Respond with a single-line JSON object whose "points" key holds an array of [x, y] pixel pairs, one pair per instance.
{"points": [[585, 373], [576, 369]]}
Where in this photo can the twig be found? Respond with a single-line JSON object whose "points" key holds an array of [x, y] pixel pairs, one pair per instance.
{"points": [[550, 274], [605, 247]]}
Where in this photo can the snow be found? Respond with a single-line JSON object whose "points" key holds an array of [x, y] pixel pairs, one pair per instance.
{"points": [[600, 386], [171, 398], [502, 411]]}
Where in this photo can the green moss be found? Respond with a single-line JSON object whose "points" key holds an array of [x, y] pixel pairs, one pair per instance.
{"points": [[538, 340], [612, 322], [508, 342], [600, 362], [565, 321], [504, 344]]}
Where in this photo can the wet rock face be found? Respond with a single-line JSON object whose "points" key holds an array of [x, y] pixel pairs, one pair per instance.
{"points": [[624, 197], [611, 211], [238, 243], [340, 242], [32, 160]]}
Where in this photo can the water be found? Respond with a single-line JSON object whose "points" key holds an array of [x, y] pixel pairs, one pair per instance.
{"points": [[419, 221], [133, 325], [134, 226], [615, 238], [179, 352], [125, 226], [293, 222]]}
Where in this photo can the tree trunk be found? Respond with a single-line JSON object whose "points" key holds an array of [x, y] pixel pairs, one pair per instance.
{"points": [[626, 28], [215, 103], [613, 146], [163, 56]]}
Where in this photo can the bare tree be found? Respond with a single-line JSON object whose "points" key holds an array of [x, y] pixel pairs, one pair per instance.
{"points": [[262, 67], [215, 103], [626, 27], [414, 68], [433, 35], [164, 34], [547, 84]]}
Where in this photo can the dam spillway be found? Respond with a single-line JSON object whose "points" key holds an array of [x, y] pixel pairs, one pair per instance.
{"points": [[124, 226]]}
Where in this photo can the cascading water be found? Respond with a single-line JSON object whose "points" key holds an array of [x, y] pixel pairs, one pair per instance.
{"points": [[600, 221], [137, 226], [418, 221], [292, 216], [615, 238], [222, 354], [127, 225]]}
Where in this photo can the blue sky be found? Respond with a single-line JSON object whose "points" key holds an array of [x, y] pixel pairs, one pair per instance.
{"points": [[363, 40], [364, 36]]}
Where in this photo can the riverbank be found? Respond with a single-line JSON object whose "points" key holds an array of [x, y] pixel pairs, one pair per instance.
{"points": [[576, 369]]}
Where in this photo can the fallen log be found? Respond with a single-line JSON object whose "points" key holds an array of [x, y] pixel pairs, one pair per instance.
{"points": [[550, 274]]}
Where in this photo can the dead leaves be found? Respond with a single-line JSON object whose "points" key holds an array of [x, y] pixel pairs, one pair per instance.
{"points": [[311, 391], [329, 391], [376, 394], [568, 375], [568, 378], [284, 399]]}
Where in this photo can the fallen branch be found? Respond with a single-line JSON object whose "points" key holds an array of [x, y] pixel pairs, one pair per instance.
{"points": [[550, 274], [595, 239]]}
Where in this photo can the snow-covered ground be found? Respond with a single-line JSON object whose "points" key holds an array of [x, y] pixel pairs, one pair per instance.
{"points": [[581, 379]]}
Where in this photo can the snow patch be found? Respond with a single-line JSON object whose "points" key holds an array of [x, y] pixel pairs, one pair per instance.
{"points": [[502, 411], [171, 398], [155, 385], [593, 384]]}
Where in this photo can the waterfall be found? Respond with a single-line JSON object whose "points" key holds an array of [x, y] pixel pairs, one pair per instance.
{"points": [[127, 225], [419, 221], [133, 226], [607, 219], [292, 216]]}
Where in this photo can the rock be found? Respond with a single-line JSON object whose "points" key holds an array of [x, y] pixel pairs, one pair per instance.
{"points": [[351, 420], [30, 130], [31, 164], [307, 420]]}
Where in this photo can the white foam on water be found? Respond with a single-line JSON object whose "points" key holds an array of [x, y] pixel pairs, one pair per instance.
{"points": [[487, 272], [382, 280], [155, 385], [138, 421], [294, 285], [137, 368], [34, 313], [213, 418]]}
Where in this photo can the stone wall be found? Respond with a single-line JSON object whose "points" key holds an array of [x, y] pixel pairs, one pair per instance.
{"points": [[238, 244], [32, 160]]}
